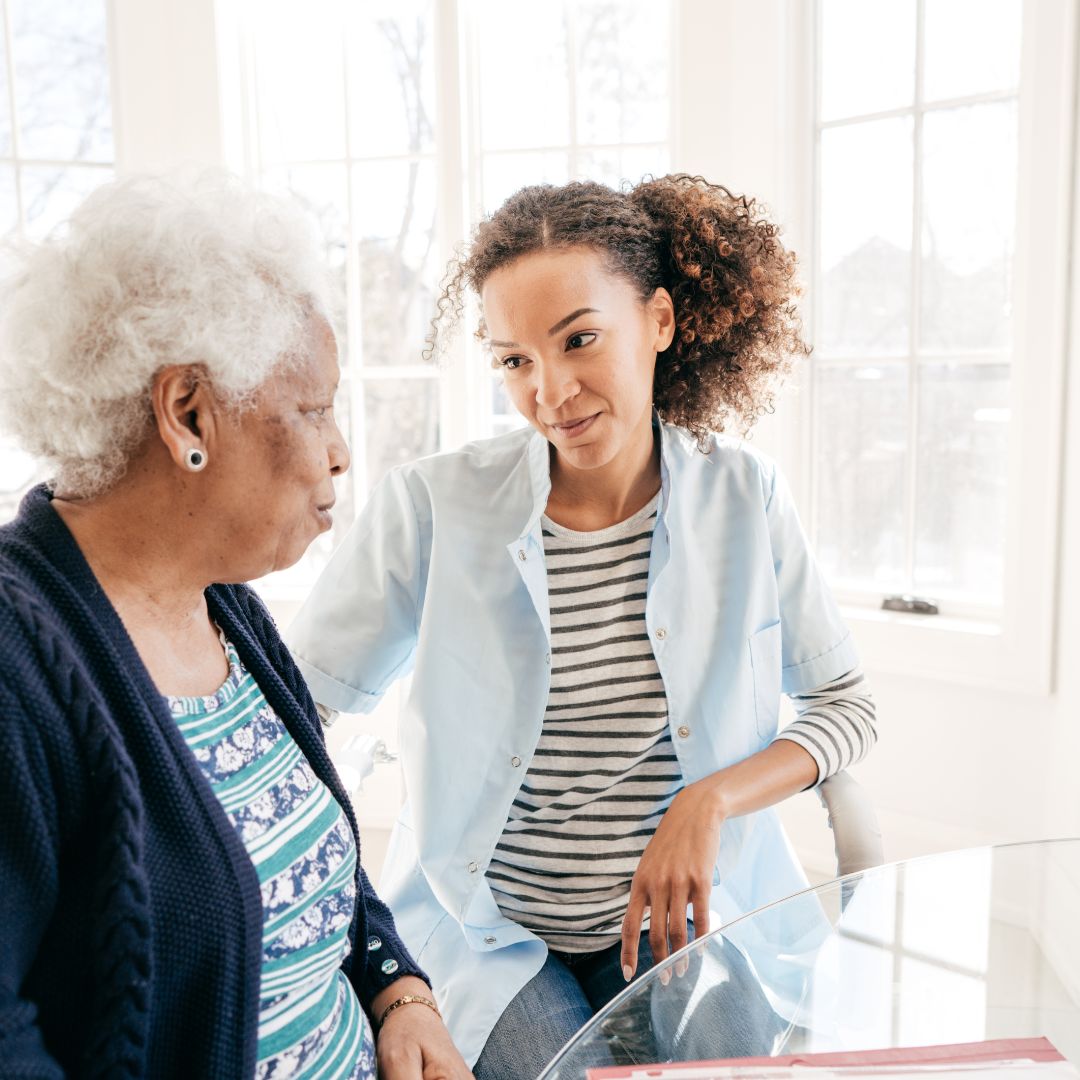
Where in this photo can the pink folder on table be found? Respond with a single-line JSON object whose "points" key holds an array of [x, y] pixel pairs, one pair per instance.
{"points": [[1036, 1050]]}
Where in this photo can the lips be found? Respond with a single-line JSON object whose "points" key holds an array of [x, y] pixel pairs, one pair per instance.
{"points": [[571, 428]]}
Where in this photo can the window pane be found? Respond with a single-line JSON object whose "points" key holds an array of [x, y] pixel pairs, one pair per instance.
{"points": [[51, 194], [962, 474], [969, 192], [394, 208], [5, 100], [867, 56], [628, 165], [18, 471], [972, 46], [322, 191], [393, 64], [9, 206], [866, 223], [506, 173], [301, 81], [861, 448], [504, 417], [62, 79], [523, 75], [622, 70], [401, 423]]}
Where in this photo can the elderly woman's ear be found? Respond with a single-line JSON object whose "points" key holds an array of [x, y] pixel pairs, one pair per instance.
{"points": [[185, 412]]}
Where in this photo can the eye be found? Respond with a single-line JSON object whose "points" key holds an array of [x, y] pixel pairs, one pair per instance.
{"points": [[580, 340], [320, 410], [511, 363]]}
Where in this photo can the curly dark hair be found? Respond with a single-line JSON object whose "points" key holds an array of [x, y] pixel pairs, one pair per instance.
{"points": [[733, 284]]}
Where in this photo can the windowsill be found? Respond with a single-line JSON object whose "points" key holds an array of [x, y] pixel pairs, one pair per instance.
{"points": [[861, 613], [987, 653]]}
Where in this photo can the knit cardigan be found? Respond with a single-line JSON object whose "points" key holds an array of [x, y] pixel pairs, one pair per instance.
{"points": [[130, 913]]}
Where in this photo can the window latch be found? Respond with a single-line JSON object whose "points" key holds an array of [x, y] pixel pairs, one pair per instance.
{"points": [[915, 605]]}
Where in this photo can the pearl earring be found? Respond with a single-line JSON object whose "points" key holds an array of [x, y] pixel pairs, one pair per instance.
{"points": [[195, 459]]}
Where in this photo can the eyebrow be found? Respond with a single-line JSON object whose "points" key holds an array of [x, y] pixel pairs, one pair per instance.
{"points": [[562, 324]]}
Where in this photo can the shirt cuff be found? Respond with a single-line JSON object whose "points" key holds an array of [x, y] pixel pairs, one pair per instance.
{"points": [[821, 669], [326, 690]]}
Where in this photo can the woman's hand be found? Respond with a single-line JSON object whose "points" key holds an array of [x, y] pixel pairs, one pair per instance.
{"points": [[413, 1043], [675, 871], [677, 866]]}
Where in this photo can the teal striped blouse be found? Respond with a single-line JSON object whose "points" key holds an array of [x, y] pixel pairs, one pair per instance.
{"points": [[310, 1021]]}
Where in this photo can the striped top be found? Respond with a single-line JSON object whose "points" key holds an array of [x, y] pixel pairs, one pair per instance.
{"points": [[310, 1021], [605, 770]]}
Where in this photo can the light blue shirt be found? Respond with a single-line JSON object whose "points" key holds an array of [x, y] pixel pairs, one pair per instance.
{"points": [[443, 574]]}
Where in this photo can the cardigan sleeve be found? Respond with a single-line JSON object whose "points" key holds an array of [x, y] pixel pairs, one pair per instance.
{"points": [[28, 887], [387, 959]]}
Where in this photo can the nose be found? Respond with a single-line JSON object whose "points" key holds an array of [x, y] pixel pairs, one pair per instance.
{"points": [[337, 451], [555, 384]]}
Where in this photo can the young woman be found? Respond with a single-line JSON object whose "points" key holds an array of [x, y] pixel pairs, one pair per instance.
{"points": [[601, 611]]}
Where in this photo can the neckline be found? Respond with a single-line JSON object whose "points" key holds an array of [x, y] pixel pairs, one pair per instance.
{"points": [[201, 704], [610, 532]]}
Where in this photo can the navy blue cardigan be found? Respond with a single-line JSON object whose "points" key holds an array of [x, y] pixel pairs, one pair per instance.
{"points": [[130, 913]]}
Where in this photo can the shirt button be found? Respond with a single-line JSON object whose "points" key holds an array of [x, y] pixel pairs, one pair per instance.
{"points": [[489, 940], [515, 761], [684, 732], [661, 633], [389, 967], [373, 944], [473, 867], [521, 554]]}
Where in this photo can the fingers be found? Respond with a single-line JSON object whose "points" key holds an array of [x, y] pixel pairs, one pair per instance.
{"points": [[631, 931], [658, 931], [700, 901]]}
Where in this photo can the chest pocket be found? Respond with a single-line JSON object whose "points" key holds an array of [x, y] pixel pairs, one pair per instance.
{"points": [[765, 657]]}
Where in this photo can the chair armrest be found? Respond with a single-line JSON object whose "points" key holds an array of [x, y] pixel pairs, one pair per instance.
{"points": [[856, 833]]}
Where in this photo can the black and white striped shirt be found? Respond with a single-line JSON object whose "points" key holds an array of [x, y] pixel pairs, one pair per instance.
{"points": [[605, 771]]}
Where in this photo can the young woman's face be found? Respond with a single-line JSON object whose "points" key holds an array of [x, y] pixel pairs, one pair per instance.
{"points": [[578, 347]]}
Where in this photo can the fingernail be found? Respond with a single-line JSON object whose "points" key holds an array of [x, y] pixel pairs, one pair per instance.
{"points": [[627, 972], [665, 976], [681, 967]]}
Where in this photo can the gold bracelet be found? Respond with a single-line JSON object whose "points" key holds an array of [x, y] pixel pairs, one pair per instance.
{"points": [[408, 999]]}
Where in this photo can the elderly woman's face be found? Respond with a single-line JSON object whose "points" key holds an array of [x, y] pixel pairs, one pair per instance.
{"points": [[278, 460]]}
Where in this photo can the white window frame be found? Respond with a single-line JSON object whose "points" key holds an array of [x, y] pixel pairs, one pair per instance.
{"points": [[1013, 651], [463, 377]]}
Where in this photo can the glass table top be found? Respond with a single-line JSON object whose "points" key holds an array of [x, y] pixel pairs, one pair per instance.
{"points": [[960, 947]]}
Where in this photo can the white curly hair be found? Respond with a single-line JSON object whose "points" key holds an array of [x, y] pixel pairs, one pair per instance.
{"points": [[149, 272]]}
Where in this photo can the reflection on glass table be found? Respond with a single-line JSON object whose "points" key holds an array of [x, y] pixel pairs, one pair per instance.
{"points": [[962, 947]]}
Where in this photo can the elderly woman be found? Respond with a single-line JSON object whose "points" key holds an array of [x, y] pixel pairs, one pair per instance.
{"points": [[180, 887]]}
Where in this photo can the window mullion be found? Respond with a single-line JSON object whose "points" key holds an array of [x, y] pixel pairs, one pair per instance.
{"points": [[812, 487], [457, 394], [354, 360], [570, 23], [915, 310], [16, 148]]}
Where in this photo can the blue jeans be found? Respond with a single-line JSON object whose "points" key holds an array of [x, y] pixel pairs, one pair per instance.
{"points": [[730, 1019]]}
